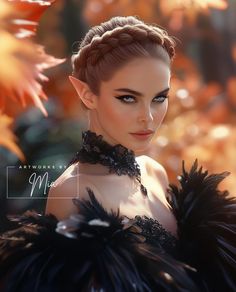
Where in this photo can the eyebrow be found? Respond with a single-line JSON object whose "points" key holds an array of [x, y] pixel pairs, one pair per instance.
{"points": [[139, 93]]}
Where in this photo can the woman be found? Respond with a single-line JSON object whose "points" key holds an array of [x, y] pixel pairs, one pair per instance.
{"points": [[110, 224], [126, 104]]}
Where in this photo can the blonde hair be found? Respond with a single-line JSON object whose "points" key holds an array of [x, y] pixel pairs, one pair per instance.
{"points": [[108, 46]]}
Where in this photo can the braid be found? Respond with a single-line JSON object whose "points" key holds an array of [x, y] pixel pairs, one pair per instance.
{"points": [[121, 36], [108, 46]]}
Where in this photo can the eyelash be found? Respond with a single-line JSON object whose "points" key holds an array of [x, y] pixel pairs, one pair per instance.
{"points": [[123, 97]]}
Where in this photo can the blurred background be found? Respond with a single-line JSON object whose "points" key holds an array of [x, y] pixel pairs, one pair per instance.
{"points": [[40, 118]]}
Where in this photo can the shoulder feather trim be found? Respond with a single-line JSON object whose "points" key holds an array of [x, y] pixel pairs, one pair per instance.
{"points": [[206, 227], [92, 250]]}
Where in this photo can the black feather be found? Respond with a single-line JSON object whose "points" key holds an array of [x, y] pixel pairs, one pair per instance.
{"points": [[206, 227], [90, 251]]}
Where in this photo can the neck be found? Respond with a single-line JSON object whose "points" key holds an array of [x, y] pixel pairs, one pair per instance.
{"points": [[99, 131], [116, 158], [95, 126]]}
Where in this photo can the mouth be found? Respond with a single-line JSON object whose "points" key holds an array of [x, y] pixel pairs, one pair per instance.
{"points": [[142, 134], [147, 132]]}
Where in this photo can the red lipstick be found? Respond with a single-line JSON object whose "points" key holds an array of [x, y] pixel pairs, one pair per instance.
{"points": [[142, 135]]}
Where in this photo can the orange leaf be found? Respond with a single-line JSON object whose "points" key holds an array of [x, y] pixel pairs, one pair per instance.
{"points": [[7, 138], [22, 61], [29, 10]]}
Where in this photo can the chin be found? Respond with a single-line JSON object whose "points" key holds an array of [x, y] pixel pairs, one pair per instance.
{"points": [[140, 146], [140, 149]]}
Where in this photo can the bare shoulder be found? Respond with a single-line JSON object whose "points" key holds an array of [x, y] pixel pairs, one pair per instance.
{"points": [[154, 168], [158, 183], [61, 193], [67, 187], [64, 183]]}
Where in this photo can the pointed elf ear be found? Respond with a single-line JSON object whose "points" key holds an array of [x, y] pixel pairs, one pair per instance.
{"points": [[84, 92]]}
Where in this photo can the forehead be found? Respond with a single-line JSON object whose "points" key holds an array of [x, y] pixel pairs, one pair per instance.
{"points": [[141, 73]]}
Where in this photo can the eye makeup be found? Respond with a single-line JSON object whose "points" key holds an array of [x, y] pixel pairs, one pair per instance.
{"points": [[136, 93], [132, 98]]}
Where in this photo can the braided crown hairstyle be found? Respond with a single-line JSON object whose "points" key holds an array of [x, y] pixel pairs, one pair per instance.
{"points": [[108, 46]]}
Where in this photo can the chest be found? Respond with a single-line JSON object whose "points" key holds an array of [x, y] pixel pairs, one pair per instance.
{"points": [[123, 193]]}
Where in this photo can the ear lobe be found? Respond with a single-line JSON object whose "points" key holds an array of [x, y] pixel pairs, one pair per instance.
{"points": [[84, 92]]}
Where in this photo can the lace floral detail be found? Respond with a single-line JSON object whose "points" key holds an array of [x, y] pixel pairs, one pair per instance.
{"points": [[156, 234], [117, 158]]}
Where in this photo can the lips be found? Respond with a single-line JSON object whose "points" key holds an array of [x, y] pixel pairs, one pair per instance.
{"points": [[147, 132], [142, 135]]}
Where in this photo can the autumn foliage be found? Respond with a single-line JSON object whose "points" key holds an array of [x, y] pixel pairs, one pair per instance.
{"points": [[202, 112]]}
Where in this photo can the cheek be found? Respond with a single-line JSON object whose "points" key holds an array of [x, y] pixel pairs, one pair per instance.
{"points": [[160, 112], [111, 113], [165, 107]]}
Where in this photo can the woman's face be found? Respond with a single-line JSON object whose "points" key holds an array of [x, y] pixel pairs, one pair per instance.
{"points": [[132, 103]]}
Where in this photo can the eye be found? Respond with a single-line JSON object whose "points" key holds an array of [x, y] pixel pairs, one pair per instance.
{"points": [[160, 99], [126, 98]]}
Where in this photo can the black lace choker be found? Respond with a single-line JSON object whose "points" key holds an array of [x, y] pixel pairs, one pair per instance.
{"points": [[117, 158]]}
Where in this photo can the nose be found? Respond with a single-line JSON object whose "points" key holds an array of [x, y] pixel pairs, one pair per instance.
{"points": [[145, 114]]}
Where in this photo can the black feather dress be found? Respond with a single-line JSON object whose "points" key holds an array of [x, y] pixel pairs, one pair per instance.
{"points": [[99, 250]]}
